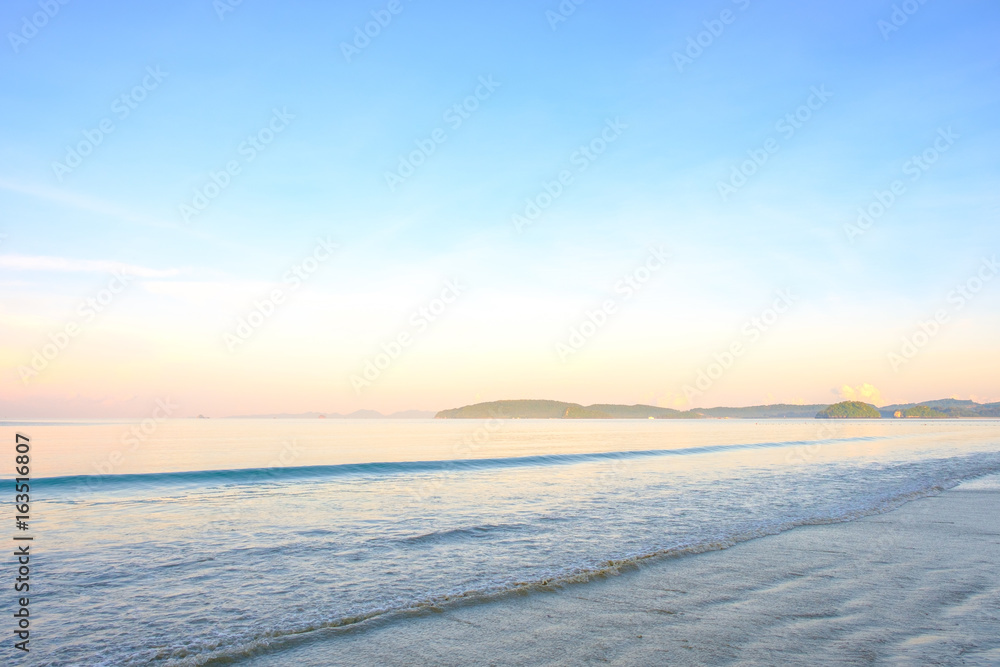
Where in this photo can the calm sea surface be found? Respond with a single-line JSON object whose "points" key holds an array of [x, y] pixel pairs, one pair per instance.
{"points": [[201, 541]]}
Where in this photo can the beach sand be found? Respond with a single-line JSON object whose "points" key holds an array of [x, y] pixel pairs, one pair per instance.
{"points": [[915, 586]]}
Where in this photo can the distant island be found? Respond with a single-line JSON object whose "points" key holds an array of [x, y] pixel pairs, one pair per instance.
{"points": [[951, 408], [539, 409], [546, 409], [859, 410], [920, 412], [850, 410], [945, 408]]}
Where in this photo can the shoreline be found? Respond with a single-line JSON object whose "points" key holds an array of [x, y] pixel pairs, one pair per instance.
{"points": [[917, 584]]}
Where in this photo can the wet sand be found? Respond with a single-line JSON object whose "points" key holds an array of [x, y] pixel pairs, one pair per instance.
{"points": [[918, 585]]}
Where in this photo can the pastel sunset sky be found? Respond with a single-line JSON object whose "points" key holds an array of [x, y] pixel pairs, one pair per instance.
{"points": [[506, 201]]}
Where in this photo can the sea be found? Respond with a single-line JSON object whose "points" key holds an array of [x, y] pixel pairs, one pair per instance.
{"points": [[211, 541]]}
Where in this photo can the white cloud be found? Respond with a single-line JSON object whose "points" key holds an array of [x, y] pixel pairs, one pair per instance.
{"points": [[42, 263], [208, 291], [865, 392]]}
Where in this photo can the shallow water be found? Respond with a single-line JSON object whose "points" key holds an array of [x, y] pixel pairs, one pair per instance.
{"points": [[204, 539]]}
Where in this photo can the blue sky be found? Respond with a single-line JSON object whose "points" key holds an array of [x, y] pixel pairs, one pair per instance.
{"points": [[656, 184]]}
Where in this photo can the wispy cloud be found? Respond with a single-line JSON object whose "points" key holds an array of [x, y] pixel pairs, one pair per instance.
{"points": [[82, 202], [64, 264]]}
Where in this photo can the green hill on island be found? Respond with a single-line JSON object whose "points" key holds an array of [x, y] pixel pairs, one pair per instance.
{"points": [[580, 412], [948, 407], [776, 411], [850, 410], [541, 409], [921, 412]]}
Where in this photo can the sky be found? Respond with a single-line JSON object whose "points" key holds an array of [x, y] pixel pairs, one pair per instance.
{"points": [[261, 207]]}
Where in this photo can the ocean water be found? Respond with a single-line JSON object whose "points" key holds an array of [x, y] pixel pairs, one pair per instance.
{"points": [[195, 542]]}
